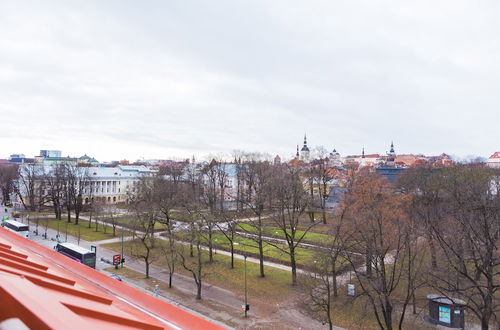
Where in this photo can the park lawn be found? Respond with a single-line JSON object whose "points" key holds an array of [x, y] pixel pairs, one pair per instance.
{"points": [[32, 214], [303, 256], [129, 222], [275, 287], [86, 233], [310, 236]]}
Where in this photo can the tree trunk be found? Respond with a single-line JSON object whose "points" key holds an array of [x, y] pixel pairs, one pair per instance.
{"points": [[484, 323], [198, 291], [210, 245], [198, 283], [311, 216], [261, 258], [334, 281], [232, 255], [328, 305], [388, 313], [369, 259], [293, 264], [432, 248]]}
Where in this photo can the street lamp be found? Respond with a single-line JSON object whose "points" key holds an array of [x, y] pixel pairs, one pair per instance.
{"points": [[245, 307], [121, 260], [246, 300]]}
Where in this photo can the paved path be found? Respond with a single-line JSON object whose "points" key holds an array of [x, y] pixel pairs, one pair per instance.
{"points": [[216, 251]]}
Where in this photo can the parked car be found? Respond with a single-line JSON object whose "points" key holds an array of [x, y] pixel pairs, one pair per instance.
{"points": [[116, 277]]}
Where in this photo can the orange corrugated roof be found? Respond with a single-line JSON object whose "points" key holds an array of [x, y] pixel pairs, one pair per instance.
{"points": [[45, 289]]}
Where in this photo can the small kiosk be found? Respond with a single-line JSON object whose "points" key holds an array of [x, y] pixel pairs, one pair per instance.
{"points": [[445, 311]]}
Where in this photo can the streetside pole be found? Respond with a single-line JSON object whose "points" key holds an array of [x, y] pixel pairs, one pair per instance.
{"points": [[246, 299], [121, 260]]}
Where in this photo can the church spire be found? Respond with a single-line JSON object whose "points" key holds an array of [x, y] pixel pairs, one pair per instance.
{"points": [[363, 153], [297, 154]]}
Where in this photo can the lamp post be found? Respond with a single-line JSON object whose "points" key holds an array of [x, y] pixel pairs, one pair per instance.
{"points": [[246, 300], [121, 260], [245, 306]]}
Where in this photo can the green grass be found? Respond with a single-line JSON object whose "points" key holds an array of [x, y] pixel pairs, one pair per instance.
{"points": [[129, 222], [275, 287], [303, 256], [278, 233], [35, 214], [86, 233]]}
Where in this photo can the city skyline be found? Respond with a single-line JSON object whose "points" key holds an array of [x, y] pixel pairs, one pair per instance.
{"points": [[125, 80]]}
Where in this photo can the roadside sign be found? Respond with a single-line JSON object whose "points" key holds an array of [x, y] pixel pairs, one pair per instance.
{"points": [[116, 259]]}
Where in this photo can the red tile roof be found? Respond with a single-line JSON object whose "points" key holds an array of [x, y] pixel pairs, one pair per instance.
{"points": [[44, 289], [496, 155]]}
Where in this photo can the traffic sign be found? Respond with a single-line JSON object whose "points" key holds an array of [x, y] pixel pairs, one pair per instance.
{"points": [[116, 259]]}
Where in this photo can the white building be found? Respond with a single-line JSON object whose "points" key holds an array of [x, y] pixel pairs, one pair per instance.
{"points": [[494, 160], [113, 184], [108, 185]]}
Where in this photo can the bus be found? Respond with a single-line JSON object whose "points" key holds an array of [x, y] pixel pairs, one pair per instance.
{"points": [[77, 253], [17, 227]]}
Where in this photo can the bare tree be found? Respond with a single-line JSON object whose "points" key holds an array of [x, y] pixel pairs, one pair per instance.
{"points": [[170, 252], [228, 228], [76, 181], [323, 176], [54, 181], [111, 218], [143, 244], [380, 227], [424, 184], [169, 192], [320, 287], [209, 197], [9, 175], [289, 204], [195, 264], [257, 197], [469, 239], [28, 186]]}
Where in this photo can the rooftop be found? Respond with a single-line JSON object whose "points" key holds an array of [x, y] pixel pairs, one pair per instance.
{"points": [[46, 290]]}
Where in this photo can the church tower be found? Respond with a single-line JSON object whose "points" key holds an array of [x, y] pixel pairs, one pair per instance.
{"points": [[391, 156], [304, 152]]}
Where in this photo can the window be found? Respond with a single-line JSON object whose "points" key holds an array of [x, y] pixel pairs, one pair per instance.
{"points": [[444, 314]]}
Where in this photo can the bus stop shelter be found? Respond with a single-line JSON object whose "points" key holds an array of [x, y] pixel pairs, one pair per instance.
{"points": [[446, 311]]}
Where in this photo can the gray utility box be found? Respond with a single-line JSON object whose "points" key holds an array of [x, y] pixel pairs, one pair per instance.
{"points": [[445, 311]]}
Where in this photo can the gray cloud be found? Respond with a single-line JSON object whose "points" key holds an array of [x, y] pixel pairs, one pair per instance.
{"points": [[119, 79]]}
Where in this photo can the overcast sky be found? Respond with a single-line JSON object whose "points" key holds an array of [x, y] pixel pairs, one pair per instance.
{"points": [[162, 79]]}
